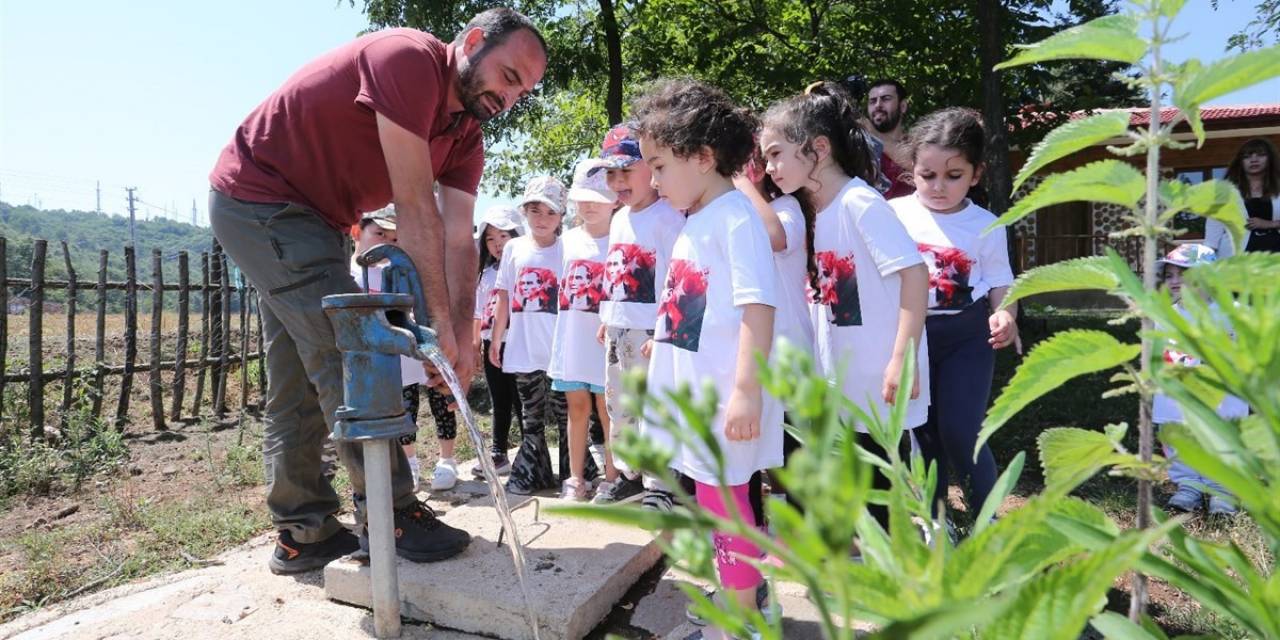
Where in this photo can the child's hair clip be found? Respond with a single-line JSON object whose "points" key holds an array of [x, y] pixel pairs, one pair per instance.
{"points": [[813, 85]]}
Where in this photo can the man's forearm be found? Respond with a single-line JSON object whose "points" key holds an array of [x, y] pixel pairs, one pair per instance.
{"points": [[421, 235], [461, 264]]}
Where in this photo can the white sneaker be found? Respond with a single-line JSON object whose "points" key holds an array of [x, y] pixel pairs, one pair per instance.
{"points": [[445, 476], [574, 490], [415, 470]]}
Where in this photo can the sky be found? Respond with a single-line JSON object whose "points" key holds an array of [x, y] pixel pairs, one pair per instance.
{"points": [[146, 93]]}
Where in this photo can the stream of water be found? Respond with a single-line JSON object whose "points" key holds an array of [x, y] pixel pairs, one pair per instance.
{"points": [[496, 490]]}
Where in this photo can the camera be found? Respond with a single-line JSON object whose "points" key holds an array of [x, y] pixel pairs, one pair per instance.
{"points": [[857, 87]]}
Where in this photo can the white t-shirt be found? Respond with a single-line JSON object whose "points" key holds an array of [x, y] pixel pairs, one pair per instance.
{"points": [[486, 300], [576, 355], [964, 265], [531, 277], [721, 261], [794, 320], [411, 371], [860, 245], [1165, 410], [636, 265]]}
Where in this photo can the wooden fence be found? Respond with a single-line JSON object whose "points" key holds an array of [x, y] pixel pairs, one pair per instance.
{"points": [[217, 352]]}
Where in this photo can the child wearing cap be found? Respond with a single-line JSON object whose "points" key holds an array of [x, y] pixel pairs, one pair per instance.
{"points": [[497, 227], [1191, 484], [528, 286], [641, 237], [577, 358], [379, 227]]}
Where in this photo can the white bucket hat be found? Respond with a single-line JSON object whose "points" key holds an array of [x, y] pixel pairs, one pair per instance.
{"points": [[590, 184], [500, 216]]}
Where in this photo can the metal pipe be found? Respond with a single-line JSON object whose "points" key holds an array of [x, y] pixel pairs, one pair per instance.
{"points": [[383, 582]]}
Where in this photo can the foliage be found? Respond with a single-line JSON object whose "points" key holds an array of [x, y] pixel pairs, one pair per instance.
{"points": [[1227, 320], [760, 51], [1265, 22], [1017, 576], [86, 233]]}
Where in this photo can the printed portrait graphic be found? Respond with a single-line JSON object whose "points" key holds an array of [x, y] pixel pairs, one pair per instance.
{"points": [[630, 271], [684, 303], [536, 291], [490, 308], [949, 269], [838, 288], [583, 286]]}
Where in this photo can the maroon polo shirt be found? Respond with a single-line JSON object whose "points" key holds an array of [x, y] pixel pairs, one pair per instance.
{"points": [[314, 141], [901, 182]]}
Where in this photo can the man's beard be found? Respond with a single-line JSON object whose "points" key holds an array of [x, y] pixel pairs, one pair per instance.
{"points": [[471, 92], [890, 122]]}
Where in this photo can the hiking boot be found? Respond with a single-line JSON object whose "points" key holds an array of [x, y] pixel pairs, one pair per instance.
{"points": [[617, 491], [1187, 499], [422, 537], [500, 464], [1220, 506], [445, 476], [763, 603], [295, 557]]}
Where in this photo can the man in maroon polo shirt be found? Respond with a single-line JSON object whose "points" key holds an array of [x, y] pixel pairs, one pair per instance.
{"points": [[393, 116], [886, 107]]}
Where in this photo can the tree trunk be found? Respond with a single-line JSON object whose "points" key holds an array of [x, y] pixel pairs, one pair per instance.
{"points": [[613, 45], [999, 178]]}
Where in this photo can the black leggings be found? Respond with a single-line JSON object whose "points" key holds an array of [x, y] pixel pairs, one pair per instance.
{"points": [[506, 402], [446, 421]]}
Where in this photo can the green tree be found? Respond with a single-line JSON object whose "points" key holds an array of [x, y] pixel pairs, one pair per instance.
{"points": [[759, 51]]}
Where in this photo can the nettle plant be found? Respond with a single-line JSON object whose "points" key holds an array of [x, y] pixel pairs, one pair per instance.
{"points": [[1243, 289], [1043, 569]]}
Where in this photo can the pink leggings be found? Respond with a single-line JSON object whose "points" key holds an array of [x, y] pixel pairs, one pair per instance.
{"points": [[734, 572]]}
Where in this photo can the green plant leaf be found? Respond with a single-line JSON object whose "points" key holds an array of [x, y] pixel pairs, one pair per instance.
{"points": [[1092, 273], [942, 622], [1169, 8], [1051, 363], [1070, 138], [999, 491], [1198, 84], [1058, 603], [1110, 181], [1113, 37], [1114, 625], [1216, 199], [1070, 456]]}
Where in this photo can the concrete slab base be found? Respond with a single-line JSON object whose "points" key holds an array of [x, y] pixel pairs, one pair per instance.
{"points": [[577, 570]]}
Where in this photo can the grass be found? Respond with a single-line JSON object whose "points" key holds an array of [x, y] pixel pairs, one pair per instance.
{"points": [[138, 538]]}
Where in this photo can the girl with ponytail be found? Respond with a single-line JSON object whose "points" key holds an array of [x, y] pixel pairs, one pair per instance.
{"points": [[870, 281]]}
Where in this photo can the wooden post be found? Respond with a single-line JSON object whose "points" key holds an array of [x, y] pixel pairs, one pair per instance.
{"points": [[216, 328], [204, 333], [180, 353], [262, 353], [244, 347], [130, 333], [68, 386], [35, 345], [4, 318], [157, 314], [100, 337]]}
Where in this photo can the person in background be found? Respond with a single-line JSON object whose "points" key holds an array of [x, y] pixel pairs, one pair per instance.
{"points": [[1255, 171], [887, 105], [969, 275], [525, 318], [577, 358], [1192, 485], [641, 235], [499, 225]]}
